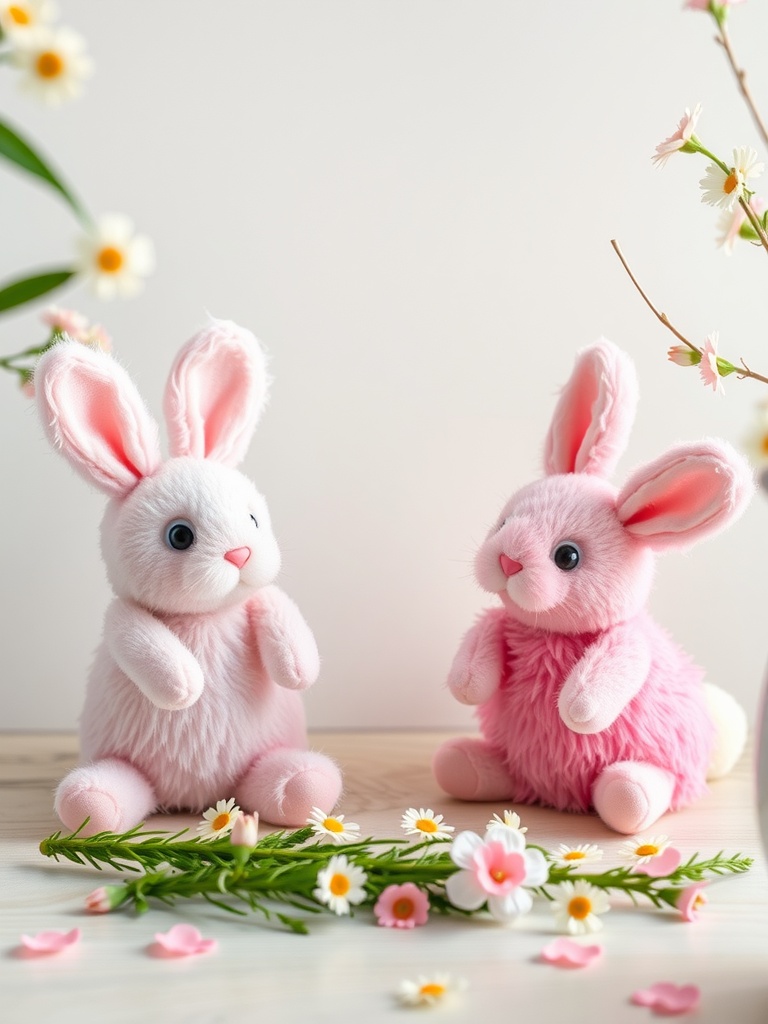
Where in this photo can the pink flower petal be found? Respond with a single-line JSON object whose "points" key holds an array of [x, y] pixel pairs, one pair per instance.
{"points": [[50, 942], [182, 940], [664, 864], [567, 953], [667, 999]]}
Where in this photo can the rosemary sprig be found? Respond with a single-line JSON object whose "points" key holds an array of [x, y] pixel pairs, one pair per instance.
{"points": [[283, 867]]}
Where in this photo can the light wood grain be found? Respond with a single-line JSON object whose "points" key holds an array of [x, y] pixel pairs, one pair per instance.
{"points": [[348, 969]]}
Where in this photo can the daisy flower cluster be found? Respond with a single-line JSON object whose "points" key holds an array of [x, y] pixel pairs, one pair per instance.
{"points": [[430, 869], [729, 184], [52, 59], [108, 253]]}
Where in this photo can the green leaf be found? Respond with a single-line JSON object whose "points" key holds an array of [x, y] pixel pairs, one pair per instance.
{"points": [[19, 152], [24, 290]]}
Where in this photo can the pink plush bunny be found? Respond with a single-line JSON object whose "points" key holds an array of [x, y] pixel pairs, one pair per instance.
{"points": [[583, 700], [194, 692]]}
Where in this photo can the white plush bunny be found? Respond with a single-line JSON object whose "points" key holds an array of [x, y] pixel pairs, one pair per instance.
{"points": [[193, 696]]}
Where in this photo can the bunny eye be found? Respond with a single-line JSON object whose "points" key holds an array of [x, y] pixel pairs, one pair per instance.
{"points": [[255, 521], [566, 556], [179, 535]]}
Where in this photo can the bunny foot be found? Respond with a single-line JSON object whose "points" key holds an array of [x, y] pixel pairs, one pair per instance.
{"points": [[472, 769], [629, 795], [284, 785], [113, 794]]}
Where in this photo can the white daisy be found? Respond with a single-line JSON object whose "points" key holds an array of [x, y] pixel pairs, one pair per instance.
{"points": [[725, 189], [18, 17], [340, 884], [566, 856], [54, 63], [218, 820], [114, 259], [642, 850], [576, 906], [334, 826], [429, 991], [426, 823], [509, 820]]}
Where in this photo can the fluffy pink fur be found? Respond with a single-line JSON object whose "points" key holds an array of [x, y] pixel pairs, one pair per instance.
{"points": [[583, 700], [193, 694]]}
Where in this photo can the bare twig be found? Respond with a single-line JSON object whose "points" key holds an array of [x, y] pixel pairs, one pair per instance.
{"points": [[741, 374], [741, 77]]}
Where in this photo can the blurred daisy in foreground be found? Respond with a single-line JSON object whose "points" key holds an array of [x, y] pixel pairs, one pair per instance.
{"points": [[577, 905], [54, 63], [24, 16], [429, 990], [114, 259]]}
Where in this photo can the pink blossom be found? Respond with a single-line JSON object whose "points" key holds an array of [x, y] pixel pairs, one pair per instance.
{"points": [[245, 831], [658, 867], [708, 366], [104, 899], [683, 356], [703, 5], [692, 900], [402, 906], [181, 940], [495, 869], [567, 953], [679, 138], [46, 943], [96, 337], [68, 321], [731, 223], [668, 998]]}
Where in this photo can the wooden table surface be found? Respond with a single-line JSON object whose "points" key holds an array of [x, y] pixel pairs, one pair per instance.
{"points": [[348, 969]]}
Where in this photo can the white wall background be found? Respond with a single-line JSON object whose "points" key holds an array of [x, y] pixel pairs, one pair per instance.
{"points": [[410, 202]]}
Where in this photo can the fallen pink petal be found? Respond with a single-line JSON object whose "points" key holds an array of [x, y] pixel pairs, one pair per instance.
{"points": [[667, 999], [567, 953], [50, 942], [664, 864], [182, 940]]}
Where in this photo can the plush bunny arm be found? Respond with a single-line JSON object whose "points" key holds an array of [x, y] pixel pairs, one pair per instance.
{"points": [[604, 680], [286, 643], [477, 668], [152, 657]]}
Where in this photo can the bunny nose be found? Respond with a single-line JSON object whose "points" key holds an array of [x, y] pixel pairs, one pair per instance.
{"points": [[238, 556], [509, 566]]}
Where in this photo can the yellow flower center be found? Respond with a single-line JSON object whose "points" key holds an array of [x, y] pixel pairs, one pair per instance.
{"points": [[333, 825], [426, 825], [220, 821], [403, 908], [109, 259], [580, 907], [730, 183], [339, 885], [574, 855], [764, 444], [19, 15], [49, 64], [647, 850], [498, 875], [432, 988], [699, 901]]}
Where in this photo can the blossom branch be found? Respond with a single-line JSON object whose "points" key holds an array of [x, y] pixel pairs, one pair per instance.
{"points": [[742, 372]]}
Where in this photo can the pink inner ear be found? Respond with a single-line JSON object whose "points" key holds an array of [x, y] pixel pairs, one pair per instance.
{"points": [[221, 401], [574, 431], [687, 500], [97, 399]]}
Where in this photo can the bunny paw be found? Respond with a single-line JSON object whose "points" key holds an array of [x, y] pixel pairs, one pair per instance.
{"points": [[111, 794], [285, 785]]}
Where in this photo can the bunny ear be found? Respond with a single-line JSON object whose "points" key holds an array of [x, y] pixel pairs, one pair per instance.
{"points": [[690, 492], [92, 411], [594, 413], [215, 393]]}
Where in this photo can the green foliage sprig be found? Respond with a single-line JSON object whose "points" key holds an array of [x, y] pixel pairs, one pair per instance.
{"points": [[282, 868]]}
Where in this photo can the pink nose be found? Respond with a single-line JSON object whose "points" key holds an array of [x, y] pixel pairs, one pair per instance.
{"points": [[238, 556], [509, 566]]}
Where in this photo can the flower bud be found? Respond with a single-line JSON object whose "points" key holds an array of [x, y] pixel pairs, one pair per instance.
{"points": [[245, 831], [105, 898], [683, 356]]}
